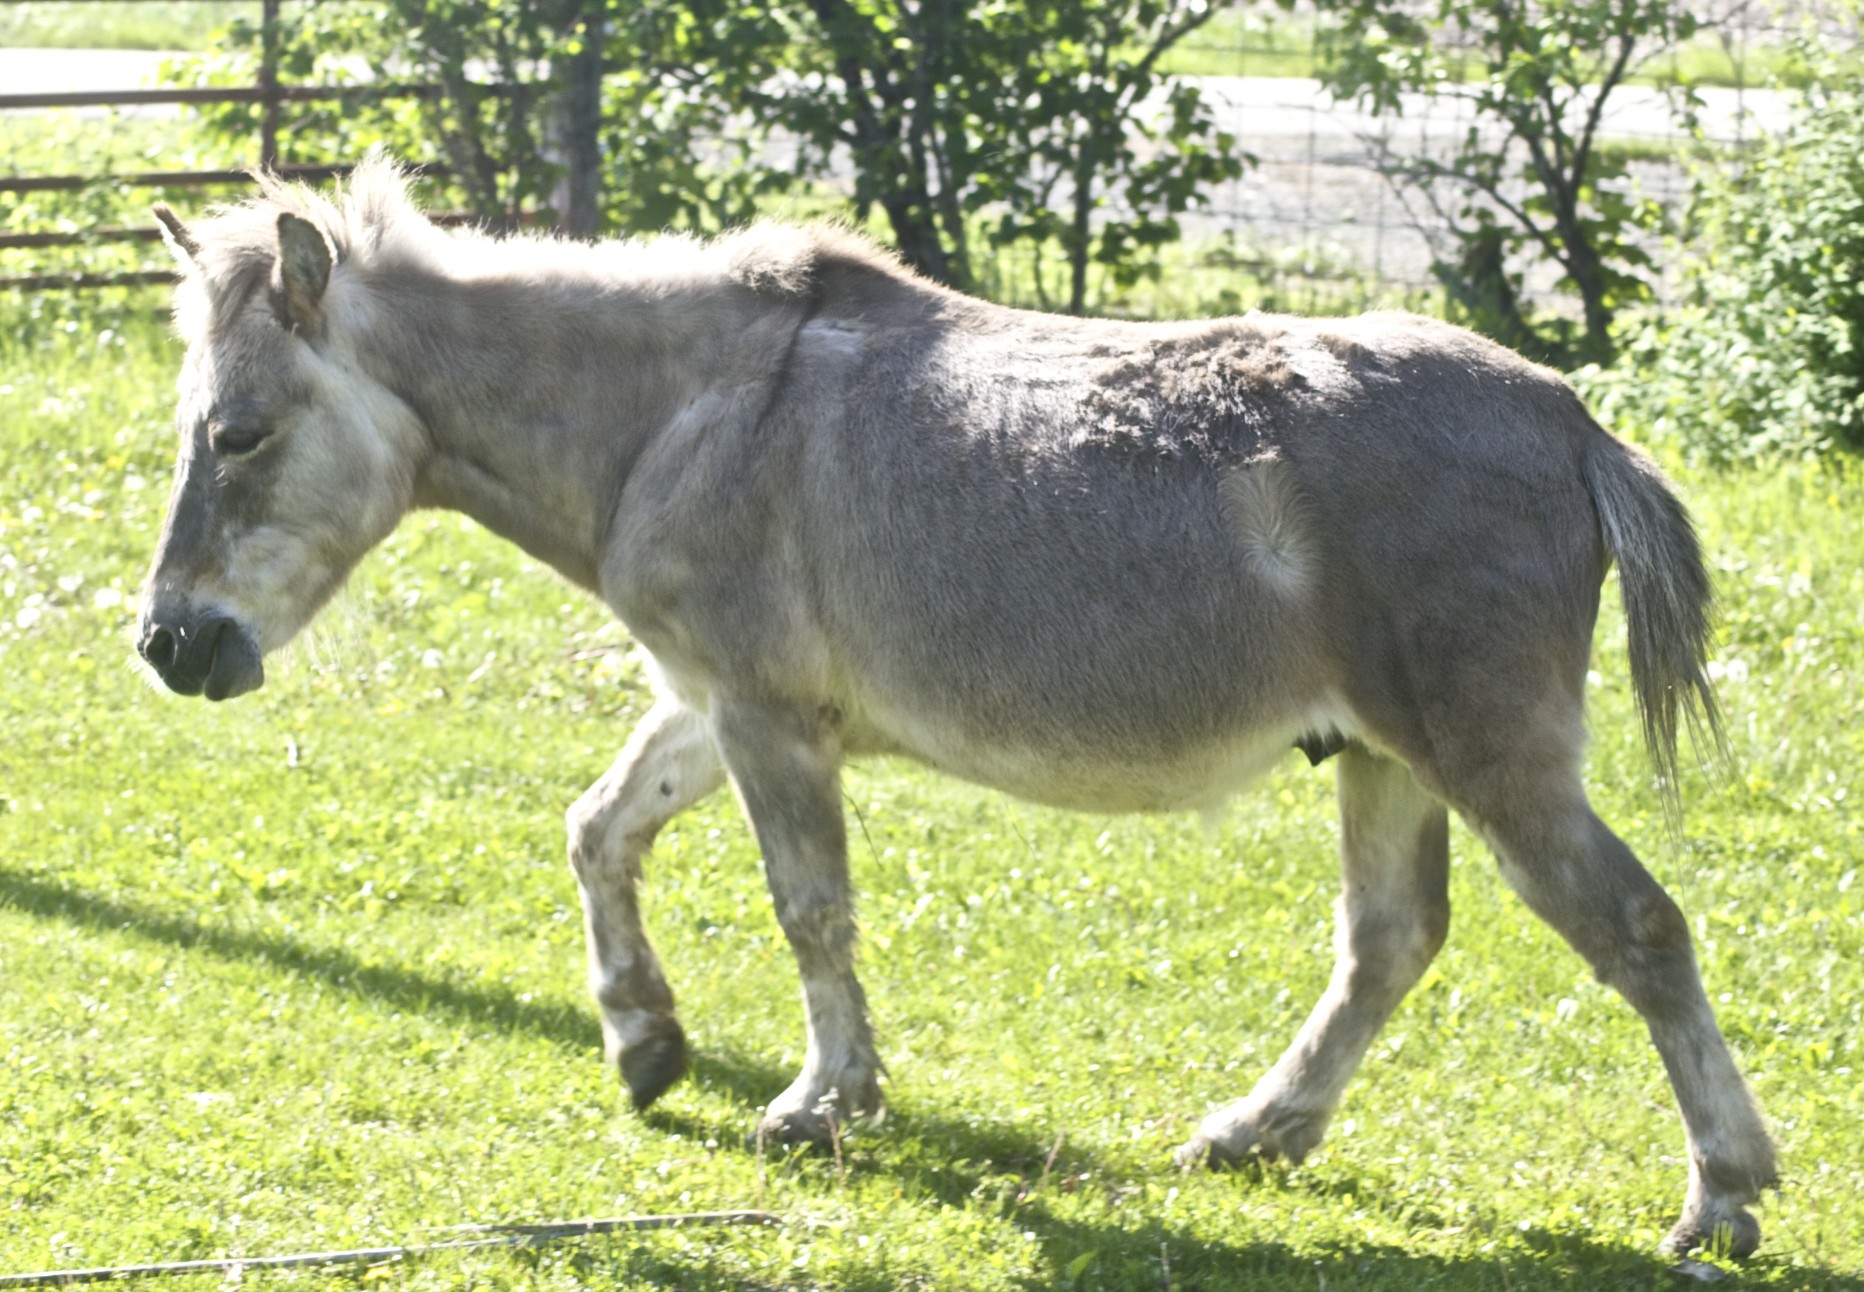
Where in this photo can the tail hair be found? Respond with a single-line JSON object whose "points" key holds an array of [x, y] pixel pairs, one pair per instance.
{"points": [[1668, 601]]}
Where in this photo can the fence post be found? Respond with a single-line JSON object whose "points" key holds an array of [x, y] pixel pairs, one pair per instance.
{"points": [[268, 86]]}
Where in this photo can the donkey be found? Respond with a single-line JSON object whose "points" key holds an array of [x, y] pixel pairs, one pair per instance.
{"points": [[1102, 565]]}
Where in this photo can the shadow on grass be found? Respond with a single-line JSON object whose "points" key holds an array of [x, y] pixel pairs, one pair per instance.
{"points": [[1006, 1168], [1019, 1175], [1096, 1256], [405, 989]]}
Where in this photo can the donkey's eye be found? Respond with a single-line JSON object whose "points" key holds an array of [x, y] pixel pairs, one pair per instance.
{"points": [[229, 441]]}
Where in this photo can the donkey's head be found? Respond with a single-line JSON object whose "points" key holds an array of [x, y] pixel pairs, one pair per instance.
{"points": [[294, 461]]}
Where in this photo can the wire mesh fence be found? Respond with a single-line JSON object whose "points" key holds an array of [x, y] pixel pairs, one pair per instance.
{"points": [[1316, 223]]}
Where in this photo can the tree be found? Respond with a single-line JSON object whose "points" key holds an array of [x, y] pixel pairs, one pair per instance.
{"points": [[1041, 121], [1020, 121], [1097, 111], [513, 116], [1528, 175]]}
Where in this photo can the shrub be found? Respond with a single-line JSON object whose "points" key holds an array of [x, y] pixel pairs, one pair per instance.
{"points": [[1765, 354]]}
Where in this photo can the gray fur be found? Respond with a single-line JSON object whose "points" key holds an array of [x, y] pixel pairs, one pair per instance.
{"points": [[1103, 565]]}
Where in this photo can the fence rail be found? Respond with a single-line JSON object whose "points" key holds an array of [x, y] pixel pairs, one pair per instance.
{"points": [[160, 178], [276, 94], [268, 91]]}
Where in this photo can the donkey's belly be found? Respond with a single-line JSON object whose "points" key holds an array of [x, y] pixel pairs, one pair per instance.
{"points": [[1196, 778]]}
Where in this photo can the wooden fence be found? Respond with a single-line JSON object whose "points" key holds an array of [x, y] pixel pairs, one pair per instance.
{"points": [[267, 91]]}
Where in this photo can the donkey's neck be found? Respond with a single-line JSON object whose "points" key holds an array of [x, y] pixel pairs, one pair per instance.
{"points": [[539, 396]]}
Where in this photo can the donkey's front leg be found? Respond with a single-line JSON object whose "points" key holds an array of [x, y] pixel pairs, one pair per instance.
{"points": [[1393, 914], [668, 766], [786, 765]]}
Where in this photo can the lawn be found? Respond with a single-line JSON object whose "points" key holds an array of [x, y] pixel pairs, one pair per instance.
{"points": [[304, 971], [118, 24]]}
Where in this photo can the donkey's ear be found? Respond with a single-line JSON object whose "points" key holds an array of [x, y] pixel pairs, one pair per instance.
{"points": [[184, 244], [303, 270]]}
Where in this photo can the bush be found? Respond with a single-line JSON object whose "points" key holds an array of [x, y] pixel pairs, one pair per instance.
{"points": [[1765, 356]]}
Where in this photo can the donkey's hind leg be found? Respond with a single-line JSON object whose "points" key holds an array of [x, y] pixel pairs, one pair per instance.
{"points": [[1573, 872], [1392, 915], [668, 765]]}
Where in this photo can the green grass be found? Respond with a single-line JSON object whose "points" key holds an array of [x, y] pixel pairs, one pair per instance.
{"points": [[1247, 41], [1264, 41], [164, 24], [304, 971], [1707, 60]]}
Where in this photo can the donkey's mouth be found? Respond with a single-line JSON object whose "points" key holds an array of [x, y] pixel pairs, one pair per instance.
{"points": [[217, 657], [236, 667]]}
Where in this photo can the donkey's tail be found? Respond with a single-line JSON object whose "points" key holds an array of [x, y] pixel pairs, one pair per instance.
{"points": [[1669, 604]]}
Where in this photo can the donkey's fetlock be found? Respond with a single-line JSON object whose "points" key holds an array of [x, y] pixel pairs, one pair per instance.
{"points": [[653, 1059], [1715, 1218]]}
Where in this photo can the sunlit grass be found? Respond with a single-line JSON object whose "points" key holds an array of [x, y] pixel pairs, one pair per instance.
{"points": [[122, 24], [304, 971], [103, 147], [1248, 41]]}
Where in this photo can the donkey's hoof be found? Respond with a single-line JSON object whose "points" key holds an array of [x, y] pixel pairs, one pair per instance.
{"points": [[802, 1117], [1194, 1153], [1723, 1231], [1202, 1150], [1239, 1135], [798, 1126], [653, 1061]]}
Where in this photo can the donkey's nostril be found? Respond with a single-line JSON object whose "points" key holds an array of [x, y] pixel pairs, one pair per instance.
{"points": [[159, 649]]}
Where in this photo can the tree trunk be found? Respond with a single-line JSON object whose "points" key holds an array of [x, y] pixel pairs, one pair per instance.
{"points": [[1588, 275], [578, 128], [915, 233], [1080, 233]]}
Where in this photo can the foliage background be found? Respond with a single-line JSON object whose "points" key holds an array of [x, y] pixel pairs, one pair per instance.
{"points": [[1763, 356]]}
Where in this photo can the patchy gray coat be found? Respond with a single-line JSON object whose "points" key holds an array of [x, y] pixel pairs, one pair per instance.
{"points": [[1102, 565]]}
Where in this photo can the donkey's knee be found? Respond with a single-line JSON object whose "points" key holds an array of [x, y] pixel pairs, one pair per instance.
{"points": [[1383, 953], [624, 973]]}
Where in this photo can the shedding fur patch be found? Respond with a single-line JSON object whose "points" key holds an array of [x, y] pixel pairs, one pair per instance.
{"points": [[1206, 394], [1264, 505]]}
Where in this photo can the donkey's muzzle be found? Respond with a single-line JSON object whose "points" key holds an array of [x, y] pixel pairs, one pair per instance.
{"points": [[213, 656]]}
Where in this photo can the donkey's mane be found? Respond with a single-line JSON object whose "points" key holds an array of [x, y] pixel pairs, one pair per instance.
{"points": [[376, 229]]}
